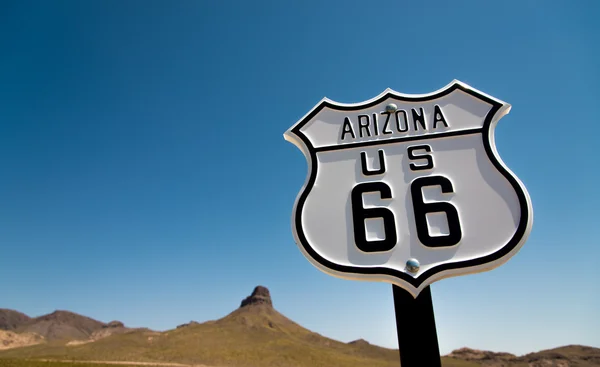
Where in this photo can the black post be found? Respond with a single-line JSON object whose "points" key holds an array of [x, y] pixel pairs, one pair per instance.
{"points": [[415, 324]]}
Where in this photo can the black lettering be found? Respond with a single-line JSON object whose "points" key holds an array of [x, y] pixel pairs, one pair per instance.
{"points": [[362, 126], [385, 125], [428, 157], [375, 124], [360, 214], [365, 169], [347, 128], [421, 210], [398, 125], [438, 116], [420, 118]]}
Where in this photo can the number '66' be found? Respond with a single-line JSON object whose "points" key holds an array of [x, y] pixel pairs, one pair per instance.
{"points": [[421, 208]]}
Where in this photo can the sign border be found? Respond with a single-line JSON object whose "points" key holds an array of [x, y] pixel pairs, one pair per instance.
{"points": [[404, 280]]}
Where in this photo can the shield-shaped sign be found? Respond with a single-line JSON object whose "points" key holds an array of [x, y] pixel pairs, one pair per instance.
{"points": [[408, 189]]}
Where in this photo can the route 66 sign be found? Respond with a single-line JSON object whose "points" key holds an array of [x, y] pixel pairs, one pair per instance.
{"points": [[408, 189]]}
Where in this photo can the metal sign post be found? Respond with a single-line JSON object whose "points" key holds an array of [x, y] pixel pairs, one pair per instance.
{"points": [[408, 189], [415, 325]]}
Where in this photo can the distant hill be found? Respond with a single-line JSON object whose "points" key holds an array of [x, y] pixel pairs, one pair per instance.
{"points": [[570, 355], [62, 325], [257, 335], [11, 319], [567, 356]]}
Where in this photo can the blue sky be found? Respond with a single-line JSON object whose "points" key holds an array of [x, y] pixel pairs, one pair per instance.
{"points": [[145, 177]]}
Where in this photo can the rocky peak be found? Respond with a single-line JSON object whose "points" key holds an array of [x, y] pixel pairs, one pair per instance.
{"points": [[191, 323], [260, 296], [359, 342], [114, 324]]}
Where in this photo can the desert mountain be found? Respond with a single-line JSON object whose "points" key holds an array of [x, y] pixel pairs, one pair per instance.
{"points": [[62, 325], [57, 326], [256, 334], [11, 319], [567, 356], [485, 356]]}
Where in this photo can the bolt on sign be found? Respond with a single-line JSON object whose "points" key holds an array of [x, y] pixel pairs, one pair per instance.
{"points": [[408, 189]]}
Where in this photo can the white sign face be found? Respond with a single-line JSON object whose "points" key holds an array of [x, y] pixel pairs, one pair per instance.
{"points": [[408, 189]]}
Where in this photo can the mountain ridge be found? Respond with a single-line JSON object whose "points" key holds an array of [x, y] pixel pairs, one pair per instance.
{"points": [[254, 334], [59, 325]]}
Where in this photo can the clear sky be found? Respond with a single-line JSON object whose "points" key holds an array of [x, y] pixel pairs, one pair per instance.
{"points": [[145, 178]]}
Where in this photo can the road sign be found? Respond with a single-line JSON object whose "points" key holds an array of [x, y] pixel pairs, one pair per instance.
{"points": [[408, 189]]}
